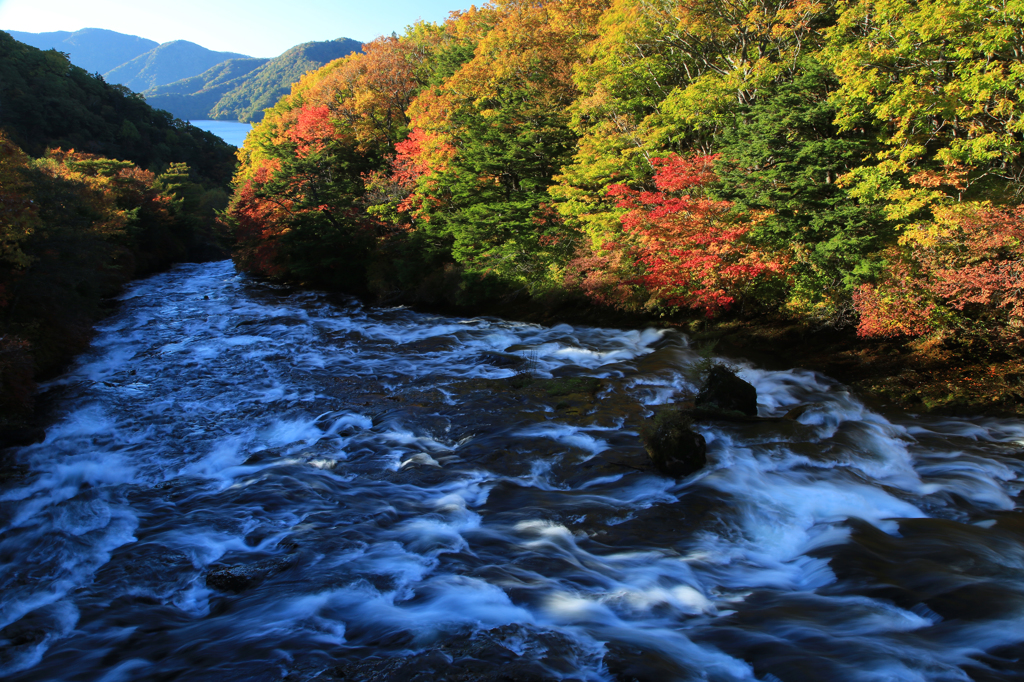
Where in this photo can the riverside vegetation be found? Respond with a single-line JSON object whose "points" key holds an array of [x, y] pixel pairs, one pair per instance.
{"points": [[837, 183], [96, 188], [839, 179]]}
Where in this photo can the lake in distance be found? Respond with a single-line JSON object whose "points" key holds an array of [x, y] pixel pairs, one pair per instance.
{"points": [[232, 132]]}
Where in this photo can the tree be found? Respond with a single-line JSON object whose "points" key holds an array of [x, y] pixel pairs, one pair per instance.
{"points": [[494, 134], [668, 76], [959, 277], [944, 79], [782, 155], [690, 247], [18, 217]]}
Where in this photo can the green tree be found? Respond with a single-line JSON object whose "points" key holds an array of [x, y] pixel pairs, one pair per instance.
{"points": [[496, 210], [944, 79], [782, 155]]}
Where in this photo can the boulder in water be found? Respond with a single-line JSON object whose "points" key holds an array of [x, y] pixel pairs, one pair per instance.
{"points": [[239, 577], [433, 344], [674, 447], [725, 392], [20, 436], [501, 360]]}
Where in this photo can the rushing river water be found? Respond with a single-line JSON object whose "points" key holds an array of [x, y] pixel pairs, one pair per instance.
{"points": [[245, 482]]}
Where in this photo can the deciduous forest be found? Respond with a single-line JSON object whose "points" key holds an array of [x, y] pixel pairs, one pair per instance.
{"points": [[845, 164]]}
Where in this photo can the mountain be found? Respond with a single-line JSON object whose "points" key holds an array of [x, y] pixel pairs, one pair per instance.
{"points": [[47, 102], [96, 50], [240, 89], [167, 63], [189, 80], [194, 98]]}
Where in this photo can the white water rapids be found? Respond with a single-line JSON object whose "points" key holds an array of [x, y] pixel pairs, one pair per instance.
{"points": [[397, 517]]}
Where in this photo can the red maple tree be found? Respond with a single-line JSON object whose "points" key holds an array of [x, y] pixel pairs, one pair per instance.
{"points": [[690, 246]]}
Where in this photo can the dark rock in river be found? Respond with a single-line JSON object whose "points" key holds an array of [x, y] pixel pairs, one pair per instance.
{"points": [[501, 360], [19, 436], [433, 344], [675, 449], [725, 392], [238, 577]]}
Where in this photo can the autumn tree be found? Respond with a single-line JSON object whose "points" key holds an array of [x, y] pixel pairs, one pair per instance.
{"points": [[944, 79], [959, 278], [502, 134], [669, 76], [300, 205], [690, 248], [17, 213], [782, 155]]}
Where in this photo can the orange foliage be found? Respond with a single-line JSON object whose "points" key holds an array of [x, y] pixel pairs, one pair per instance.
{"points": [[603, 277], [985, 266], [416, 157], [258, 225], [963, 271], [532, 42], [312, 130], [522, 64], [367, 93], [897, 308]]}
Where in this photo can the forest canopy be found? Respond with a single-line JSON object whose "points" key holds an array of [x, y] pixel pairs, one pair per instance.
{"points": [[854, 162]]}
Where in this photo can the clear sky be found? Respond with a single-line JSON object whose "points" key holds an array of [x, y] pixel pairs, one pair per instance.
{"points": [[258, 28]]}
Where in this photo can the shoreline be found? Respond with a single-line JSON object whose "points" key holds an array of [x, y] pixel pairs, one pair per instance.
{"points": [[886, 373]]}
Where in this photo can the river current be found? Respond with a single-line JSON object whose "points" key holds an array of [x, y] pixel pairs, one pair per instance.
{"points": [[248, 482]]}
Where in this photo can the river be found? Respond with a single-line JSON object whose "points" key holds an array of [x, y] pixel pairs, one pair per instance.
{"points": [[248, 482]]}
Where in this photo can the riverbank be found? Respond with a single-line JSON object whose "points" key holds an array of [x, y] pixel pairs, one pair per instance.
{"points": [[887, 372], [55, 333]]}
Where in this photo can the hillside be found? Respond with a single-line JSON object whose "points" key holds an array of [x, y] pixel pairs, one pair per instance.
{"points": [[167, 63], [194, 98], [96, 50], [242, 88], [96, 188], [47, 102]]}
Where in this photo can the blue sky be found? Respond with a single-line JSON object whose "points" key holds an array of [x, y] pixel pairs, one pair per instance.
{"points": [[258, 28]]}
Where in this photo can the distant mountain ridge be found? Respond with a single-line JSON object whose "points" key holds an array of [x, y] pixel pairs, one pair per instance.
{"points": [[96, 50], [195, 97], [167, 63], [186, 79], [241, 89]]}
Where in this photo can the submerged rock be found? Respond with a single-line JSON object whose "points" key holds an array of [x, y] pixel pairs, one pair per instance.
{"points": [[239, 577], [433, 344], [20, 436], [725, 392], [674, 447], [501, 360]]}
